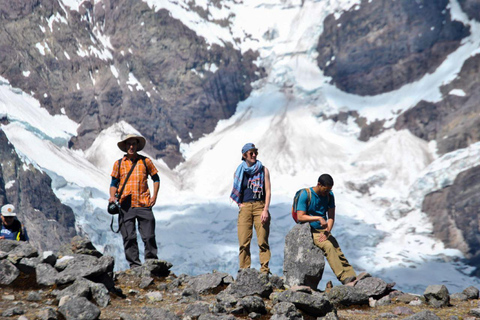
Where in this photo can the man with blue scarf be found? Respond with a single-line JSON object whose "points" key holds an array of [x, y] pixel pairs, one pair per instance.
{"points": [[251, 191]]}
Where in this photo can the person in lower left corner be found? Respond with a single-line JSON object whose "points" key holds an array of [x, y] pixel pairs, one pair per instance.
{"points": [[10, 227]]}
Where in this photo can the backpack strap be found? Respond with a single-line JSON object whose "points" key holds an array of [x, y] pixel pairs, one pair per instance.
{"points": [[145, 164], [309, 196]]}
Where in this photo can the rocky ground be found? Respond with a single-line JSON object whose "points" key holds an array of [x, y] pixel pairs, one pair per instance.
{"points": [[79, 283]]}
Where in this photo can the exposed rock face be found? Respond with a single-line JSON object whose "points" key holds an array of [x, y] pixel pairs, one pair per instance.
{"points": [[119, 60], [454, 122], [303, 262], [49, 223], [379, 46], [454, 213], [471, 8]]}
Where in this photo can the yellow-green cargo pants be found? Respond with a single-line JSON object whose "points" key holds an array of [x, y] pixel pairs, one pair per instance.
{"points": [[248, 216]]}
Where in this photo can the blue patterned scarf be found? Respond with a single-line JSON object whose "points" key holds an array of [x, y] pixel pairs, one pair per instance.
{"points": [[255, 182]]}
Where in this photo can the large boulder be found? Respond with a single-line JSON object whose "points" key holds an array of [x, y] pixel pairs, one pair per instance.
{"points": [[314, 304], [209, 282], [304, 262], [86, 266], [437, 296], [79, 308], [8, 272], [250, 282], [372, 287], [347, 296]]}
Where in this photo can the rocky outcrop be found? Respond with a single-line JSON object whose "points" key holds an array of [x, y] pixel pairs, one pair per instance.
{"points": [[202, 297], [454, 212], [453, 122], [471, 8], [120, 60], [378, 46], [303, 262], [49, 223]]}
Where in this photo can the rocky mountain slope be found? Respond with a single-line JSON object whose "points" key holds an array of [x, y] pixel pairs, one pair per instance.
{"points": [[120, 60], [49, 223]]}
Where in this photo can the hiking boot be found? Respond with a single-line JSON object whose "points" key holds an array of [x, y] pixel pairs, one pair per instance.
{"points": [[348, 280]]}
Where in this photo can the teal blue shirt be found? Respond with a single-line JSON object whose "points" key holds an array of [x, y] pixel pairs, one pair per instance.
{"points": [[319, 205]]}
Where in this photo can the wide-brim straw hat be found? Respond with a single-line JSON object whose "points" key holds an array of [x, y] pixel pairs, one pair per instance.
{"points": [[122, 145]]}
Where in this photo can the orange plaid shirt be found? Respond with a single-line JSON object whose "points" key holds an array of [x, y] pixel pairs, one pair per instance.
{"points": [[137, 185]]}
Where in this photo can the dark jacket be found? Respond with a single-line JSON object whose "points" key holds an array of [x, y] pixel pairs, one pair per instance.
{"points": [[17, 228]]}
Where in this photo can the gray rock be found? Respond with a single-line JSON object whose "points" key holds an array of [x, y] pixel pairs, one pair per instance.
{"points": [[153, 267], [331, 316], [8, 245], [277, 282], [49, 257], [15, 311], [196, 309], [34, 296], [401, 311], [85, 266], [474, 312], [47, 313], [285, 310], [471, 292], [157, 313], [387, 315], [28, 265], [82, 245], [79, 308], [384, 301], [145, 282], [80, 288], [347, 296], [87, 289], [227, 299], [250, 282], [437, 296], [365, 67], [372, 287], [8, 272], [303, 262], [22, 250], [62, 263], [423, 315], [458, 296], [100, 294], [46, 274], [3, 255], [209, 316], [253, 304], [254, 315], [207, 283], [406, 298], [154, 296], [314, 304]]}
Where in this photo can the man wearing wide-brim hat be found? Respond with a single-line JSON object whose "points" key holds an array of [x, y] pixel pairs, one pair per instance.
{"points": [[136, 201], [10, 227]]}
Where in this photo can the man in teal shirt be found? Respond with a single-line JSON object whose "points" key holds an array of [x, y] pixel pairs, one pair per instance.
{"points": [[316, 205]]}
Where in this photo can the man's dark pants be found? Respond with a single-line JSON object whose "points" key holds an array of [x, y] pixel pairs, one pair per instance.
{"points": [[146, 227]]}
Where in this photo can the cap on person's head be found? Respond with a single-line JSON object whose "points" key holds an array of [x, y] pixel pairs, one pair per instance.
{"points": [[8, 210], [122, 145], [248, 146]]}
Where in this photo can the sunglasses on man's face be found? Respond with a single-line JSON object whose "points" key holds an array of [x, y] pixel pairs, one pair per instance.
{"points": [[251, 153]]}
